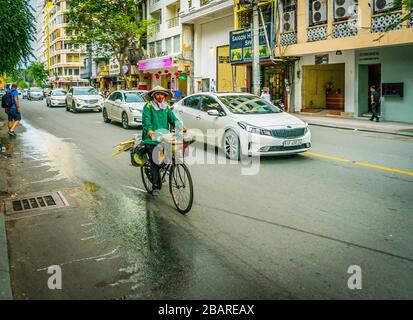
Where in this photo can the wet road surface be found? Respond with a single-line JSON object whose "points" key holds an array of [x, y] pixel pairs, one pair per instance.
{"points": [[291, 231]]}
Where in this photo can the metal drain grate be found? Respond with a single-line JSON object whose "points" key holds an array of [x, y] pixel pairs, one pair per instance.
{"points": [[39, 201]]}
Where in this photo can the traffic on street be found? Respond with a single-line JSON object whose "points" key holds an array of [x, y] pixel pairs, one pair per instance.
{"points": [[292, 230]]}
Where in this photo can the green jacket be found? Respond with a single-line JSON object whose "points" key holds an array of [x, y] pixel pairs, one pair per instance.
{"points": [[153, 120]]}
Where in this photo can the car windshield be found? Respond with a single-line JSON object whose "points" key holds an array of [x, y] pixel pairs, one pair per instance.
{"points": [[35, 90], [133, 97], [85, 91], [248, 105], [59, 93]]}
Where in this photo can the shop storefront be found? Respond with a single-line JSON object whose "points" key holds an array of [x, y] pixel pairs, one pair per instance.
{"points": [[390, 71], [102, 80], [273, 74], [170, 72], [325, 82]]}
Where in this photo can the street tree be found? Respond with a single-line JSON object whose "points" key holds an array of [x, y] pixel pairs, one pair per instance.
{"points": [[16, 33], [113, 27], [39, 72], [19, 77]]}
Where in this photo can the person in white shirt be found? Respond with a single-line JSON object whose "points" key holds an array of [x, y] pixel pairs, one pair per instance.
{"points": [[266, 94]]}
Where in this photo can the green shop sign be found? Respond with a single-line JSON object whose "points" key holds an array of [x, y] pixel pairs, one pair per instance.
{"points": [[240, 44]]}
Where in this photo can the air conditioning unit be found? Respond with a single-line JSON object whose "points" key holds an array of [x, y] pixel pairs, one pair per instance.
{"points": [[345, 9], [319, 11], [383, 5], [288, 21]]}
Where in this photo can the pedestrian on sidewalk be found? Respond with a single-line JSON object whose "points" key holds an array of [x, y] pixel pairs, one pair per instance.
{"points": [[12, 108], [266, 94], [375, 100]]}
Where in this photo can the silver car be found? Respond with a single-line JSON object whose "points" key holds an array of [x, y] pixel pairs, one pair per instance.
{"points": [[56, 98], [83, 98], [35, 94], [124, 106]]}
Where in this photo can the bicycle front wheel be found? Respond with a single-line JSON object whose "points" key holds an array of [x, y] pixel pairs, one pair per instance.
{"points": [[181, 188], [146, 177]]}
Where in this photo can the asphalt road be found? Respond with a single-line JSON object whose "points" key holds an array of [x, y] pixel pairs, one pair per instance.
{"points": [[290, 231]]}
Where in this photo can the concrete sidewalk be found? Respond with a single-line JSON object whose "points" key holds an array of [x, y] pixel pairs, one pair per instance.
{"points": [[360, 124], [5, 286]]}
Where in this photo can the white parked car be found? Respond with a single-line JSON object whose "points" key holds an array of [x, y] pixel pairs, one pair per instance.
{"points": [[242, 123], [83, 98], [124, 106], [35, 94], [56, 98], [25, 92]]}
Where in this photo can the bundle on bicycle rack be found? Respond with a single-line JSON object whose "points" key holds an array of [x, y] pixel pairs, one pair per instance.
{"points": [[137, 151], [175, 141]]}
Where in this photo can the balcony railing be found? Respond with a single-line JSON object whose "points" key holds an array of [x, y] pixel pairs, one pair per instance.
{"points": [[288, 38], [204, 2], [386, 21], [154, 29], [172, 23], [344, 29], [317, 33]]}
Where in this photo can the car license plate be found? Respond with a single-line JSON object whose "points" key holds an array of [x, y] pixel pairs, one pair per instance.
{"points": [[292, 143]]}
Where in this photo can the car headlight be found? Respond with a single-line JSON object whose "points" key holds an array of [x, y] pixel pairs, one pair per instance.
{"points": [[136, 110], [249, 128], [306, 129]]}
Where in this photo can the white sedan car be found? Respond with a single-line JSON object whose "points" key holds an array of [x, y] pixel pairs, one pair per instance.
{"points": [[124, 106], [83, 98], [242, 123], [56, 98]]}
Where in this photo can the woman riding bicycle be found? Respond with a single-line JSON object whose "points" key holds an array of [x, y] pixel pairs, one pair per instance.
{"points": [[157, 115]]}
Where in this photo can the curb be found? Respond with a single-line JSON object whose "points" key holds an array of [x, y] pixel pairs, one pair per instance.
{"points": [[360, 129], [5, 284]]}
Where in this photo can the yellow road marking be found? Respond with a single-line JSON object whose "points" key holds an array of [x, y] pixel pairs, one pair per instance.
{"points": [[410, 173], [383, 168], [326, 157]]}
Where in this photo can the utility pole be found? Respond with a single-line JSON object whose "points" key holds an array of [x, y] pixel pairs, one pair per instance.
{"points": [[256, 71]]}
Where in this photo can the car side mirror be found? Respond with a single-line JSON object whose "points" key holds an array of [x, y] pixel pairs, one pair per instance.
{"points": [[213, 113]]}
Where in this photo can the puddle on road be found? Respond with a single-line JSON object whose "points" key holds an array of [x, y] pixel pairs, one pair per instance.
{"points": [[126, 221], [62, 157], [146, 243]]}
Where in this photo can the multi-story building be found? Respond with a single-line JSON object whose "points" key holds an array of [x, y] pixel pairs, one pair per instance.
{"points": [[329, 52], [211, 22], [40, 31], [64, 60], [168, 43]]}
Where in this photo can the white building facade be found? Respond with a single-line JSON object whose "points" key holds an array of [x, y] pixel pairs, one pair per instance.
{"points": [[39, 50], [165, 63], [211, 22]]}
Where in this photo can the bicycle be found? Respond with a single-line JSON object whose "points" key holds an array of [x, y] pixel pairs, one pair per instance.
{"points": [[180, 180]]}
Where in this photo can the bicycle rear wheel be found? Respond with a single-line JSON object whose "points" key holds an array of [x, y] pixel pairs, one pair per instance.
{"points": [[181, 188]]}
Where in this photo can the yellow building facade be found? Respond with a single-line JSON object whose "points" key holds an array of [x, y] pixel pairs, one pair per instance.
{"points": [[329, 52], [64, 60]]}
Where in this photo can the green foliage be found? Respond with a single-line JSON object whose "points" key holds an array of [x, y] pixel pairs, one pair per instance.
{"points": [[114, 26], [16, 32], [39, 72], [408, 5], [19, 77]]}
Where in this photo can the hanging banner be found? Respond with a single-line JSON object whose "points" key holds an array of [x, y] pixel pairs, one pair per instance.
{"points": [[240, 44]]}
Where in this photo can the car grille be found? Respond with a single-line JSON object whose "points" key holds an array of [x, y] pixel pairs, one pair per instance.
{"points": [[91, 101], [281, 148], [288, 133]]}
